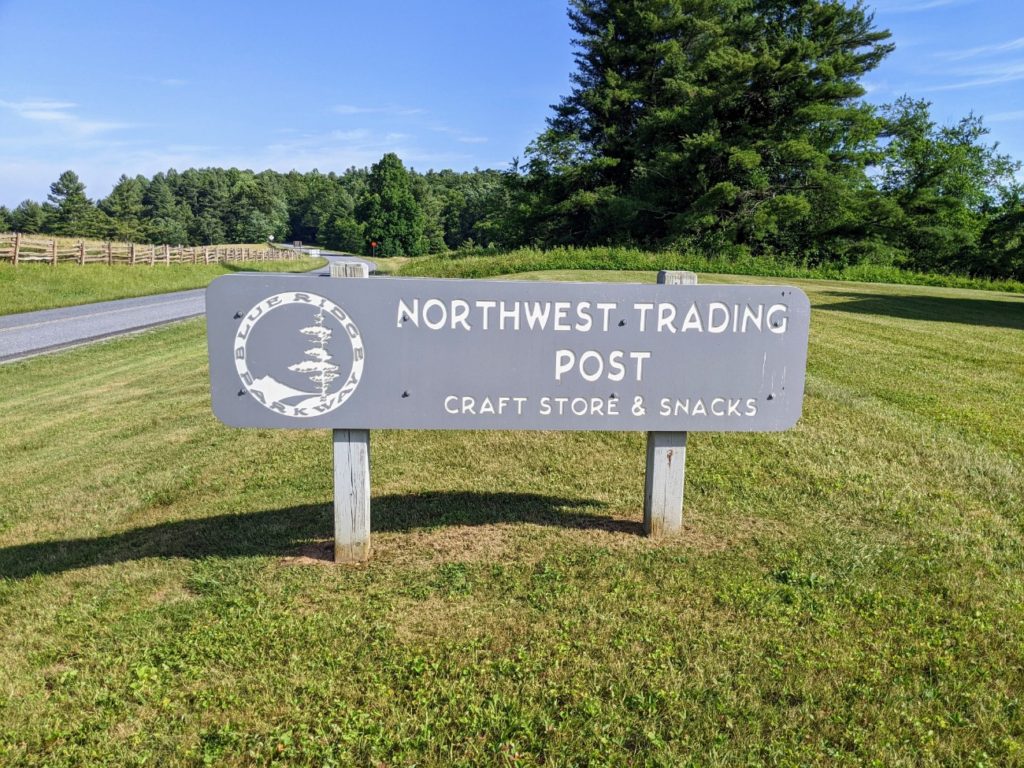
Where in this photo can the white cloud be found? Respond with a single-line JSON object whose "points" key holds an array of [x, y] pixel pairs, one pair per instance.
{"points": [[913, 6], [350, 109], [984, 50], [1005, 117], [338, 149], [54, 137], [60, 114], [392, 111], [459, 136], [40, 109], [982, 76]]}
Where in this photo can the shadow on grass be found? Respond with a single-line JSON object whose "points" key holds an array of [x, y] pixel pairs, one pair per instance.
{"points": [[284, 531], [987, 312]]}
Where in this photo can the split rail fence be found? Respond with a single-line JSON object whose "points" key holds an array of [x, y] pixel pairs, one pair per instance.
{"points": [[18, 248]]}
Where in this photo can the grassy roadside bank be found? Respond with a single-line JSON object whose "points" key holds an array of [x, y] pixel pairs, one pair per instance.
{"points": [[847, 593], [28, 287], [528, 260]]}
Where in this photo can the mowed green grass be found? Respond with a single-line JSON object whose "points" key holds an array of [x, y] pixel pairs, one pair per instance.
{"points": [[28, 287], [850, 592]]}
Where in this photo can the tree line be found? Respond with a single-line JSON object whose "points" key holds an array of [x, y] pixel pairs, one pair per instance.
{"points": [[731, 128], [405, 212]]}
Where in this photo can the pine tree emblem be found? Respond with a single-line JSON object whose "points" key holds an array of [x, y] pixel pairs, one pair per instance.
{"points": [[318, 363]]}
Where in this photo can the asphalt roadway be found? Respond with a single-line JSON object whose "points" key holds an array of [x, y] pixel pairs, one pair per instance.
{"points": [[34, 333]]}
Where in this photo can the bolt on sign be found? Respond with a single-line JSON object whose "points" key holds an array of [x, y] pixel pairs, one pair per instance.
{"points": [[396, 353]]}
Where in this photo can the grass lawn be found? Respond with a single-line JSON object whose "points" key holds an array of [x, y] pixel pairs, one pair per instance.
{"points": [[29, 287], [850, 592]]}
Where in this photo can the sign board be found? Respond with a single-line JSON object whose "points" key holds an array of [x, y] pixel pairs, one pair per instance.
{"points": [[406, 353]]}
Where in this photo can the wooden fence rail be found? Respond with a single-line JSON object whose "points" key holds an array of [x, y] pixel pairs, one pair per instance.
{"points": [[18, 249]]}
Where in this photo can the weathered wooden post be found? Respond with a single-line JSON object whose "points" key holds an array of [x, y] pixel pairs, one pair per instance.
{"points": [[17, 247], [167, 254], [131, 251], [351, 473], [53, 252], [401, 353], [110, 253], [665, 479]]}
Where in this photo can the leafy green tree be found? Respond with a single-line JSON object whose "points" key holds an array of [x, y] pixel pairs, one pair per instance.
{"points": [[467, 205], [1001, 251], [29, 217], [947, 183], [389, 212], [256, 211], [343, 233], [73, 213], [1001, 248], [313, 199], [338, 228], [430, 205]]}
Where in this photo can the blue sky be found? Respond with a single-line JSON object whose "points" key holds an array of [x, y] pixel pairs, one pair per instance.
{"points": [[107, 87]]}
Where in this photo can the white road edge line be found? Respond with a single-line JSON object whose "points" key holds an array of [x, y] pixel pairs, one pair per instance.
{"points": [[113, 335], [95, 314]]}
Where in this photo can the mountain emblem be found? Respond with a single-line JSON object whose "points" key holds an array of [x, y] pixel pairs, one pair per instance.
{"points": [[292, 340]]}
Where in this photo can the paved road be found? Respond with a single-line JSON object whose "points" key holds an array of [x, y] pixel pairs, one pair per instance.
{"points": [[34, 333]]}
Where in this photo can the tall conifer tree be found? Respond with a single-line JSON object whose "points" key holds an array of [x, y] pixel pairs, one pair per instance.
{"points": [[723, 121]]}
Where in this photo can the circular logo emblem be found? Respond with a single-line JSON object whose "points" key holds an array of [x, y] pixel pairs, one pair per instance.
{"points": [[299, 354]]}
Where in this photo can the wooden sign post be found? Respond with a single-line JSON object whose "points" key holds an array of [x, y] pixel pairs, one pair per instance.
{"points": [[353, 355], [351, 472], [665, 478]]}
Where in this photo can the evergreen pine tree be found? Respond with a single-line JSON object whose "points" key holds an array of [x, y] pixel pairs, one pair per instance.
{"points": [[389, 211], [724, 122], [73, 213], [124, 207]]}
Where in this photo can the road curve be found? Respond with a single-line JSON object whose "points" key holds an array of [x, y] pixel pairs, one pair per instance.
{"points": [[34, 333]]}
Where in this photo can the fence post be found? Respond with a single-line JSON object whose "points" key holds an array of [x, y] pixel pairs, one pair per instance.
{"points": [[131, 250], [53, 252], [167, 254], [81, 253], [110, 253], [17, 247], [665, 479]]}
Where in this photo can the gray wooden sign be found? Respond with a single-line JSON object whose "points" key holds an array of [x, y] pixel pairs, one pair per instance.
{"points": [[297, 351]]}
